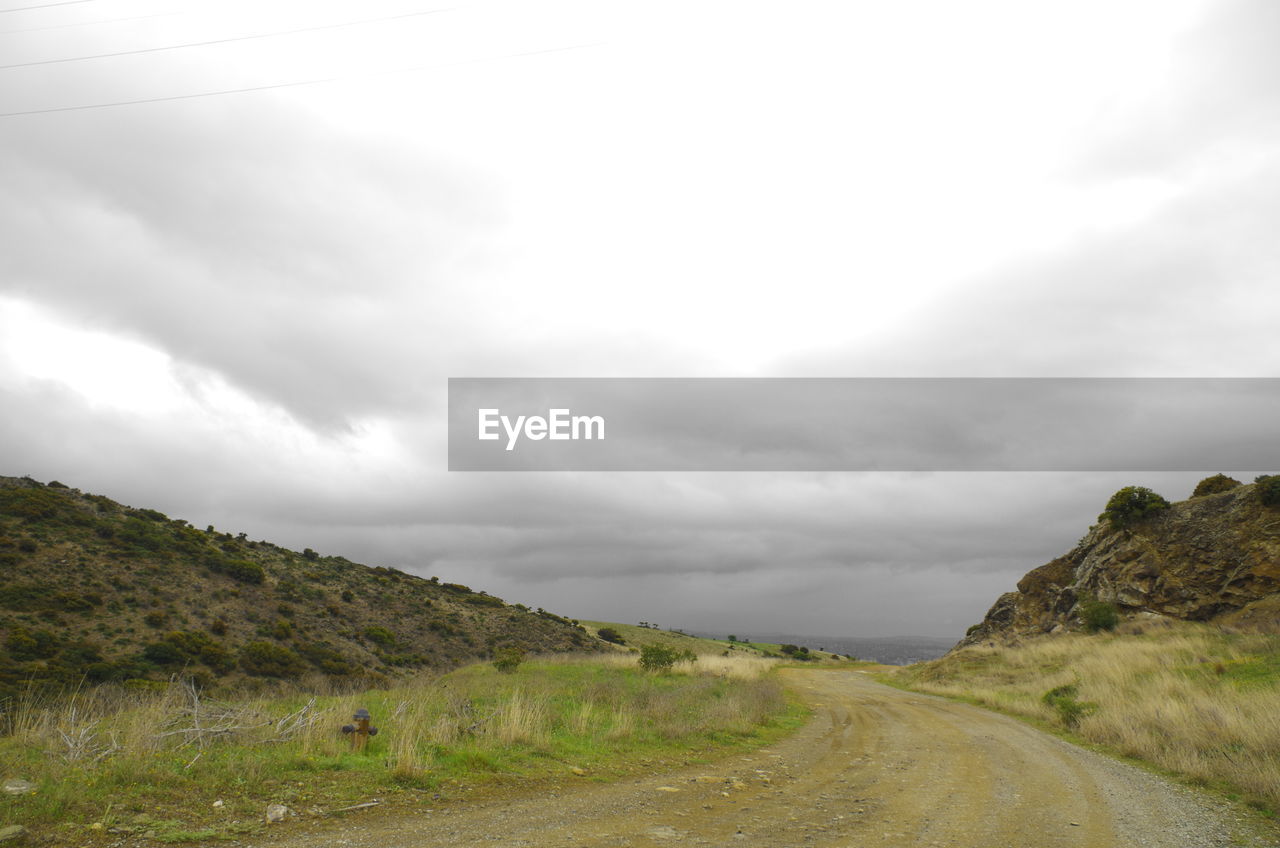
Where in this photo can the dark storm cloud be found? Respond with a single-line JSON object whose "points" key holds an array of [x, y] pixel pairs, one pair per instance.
{"points": [[341, 279], [303, 263]]}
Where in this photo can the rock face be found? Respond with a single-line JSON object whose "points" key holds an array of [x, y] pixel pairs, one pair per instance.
{"points": [[1208, 557]]}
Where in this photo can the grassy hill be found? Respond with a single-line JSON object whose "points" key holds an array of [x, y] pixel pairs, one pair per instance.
{"points": [[93, 590]]}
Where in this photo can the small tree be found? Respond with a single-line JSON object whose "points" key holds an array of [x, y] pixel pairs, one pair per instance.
{"points": [[1132, 504], [610, 635], [658, 658], [508, 659]]}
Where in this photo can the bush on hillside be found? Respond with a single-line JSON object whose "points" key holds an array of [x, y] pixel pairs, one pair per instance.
{"points": [[1098, 615], [1132, 504], [267, 660], [1269, 489], [1214, 485], [610, 635]]}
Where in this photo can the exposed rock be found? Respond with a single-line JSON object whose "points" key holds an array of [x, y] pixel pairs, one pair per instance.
{"points": [[276, 813], [1215, 556], [13, 831], [18, 786]]}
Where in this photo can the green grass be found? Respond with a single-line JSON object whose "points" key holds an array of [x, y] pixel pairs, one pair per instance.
{"points": [[473, 728]]}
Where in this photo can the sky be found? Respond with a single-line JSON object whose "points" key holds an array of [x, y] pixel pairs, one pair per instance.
{"points": [[242, 255]]}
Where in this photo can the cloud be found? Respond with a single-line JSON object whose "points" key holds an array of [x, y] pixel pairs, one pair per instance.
{"points": [[306, 264], [702, 201]]}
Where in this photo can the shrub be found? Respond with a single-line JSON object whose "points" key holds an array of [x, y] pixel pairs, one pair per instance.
{"points": [[163, 653], [24, 644], [1269, 489], [264, 659], [1098, 615], [184, 646], [327, 659], [657, 658], [155, 618], [610, 635], [1132, 504], [243, 570], [508, 659], [662, 658], [307, 553], [380, 636], [1214, 485], [32, 503], [1063, 701]]}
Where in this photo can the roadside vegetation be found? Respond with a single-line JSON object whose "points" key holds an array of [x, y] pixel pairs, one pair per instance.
{"points": [[177, 766], [1191, 698]]}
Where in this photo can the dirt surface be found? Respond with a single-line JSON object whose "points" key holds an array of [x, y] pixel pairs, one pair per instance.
{"points": [[876, 767]]}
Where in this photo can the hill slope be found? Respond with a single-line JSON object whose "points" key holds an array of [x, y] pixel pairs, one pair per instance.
{"points": [[92, 589], [1214, 557]]}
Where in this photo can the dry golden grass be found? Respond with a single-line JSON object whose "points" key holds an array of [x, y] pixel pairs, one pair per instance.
{"points": [[115, 751], [735, 667], [1188, 697]]}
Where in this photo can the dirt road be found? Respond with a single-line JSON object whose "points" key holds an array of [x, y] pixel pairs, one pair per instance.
{"points": [[877, 767]]}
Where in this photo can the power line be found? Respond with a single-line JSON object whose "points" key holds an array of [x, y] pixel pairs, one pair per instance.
{"points": [[90, 23], [47, 6], [295, 84], [223, 40]]}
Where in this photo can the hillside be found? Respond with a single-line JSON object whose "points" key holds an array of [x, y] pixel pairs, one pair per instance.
{"points": [[95, 590], [1215, 557], [1156, 637]]}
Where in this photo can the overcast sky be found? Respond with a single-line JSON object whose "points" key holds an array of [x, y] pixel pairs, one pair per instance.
{"points": [[242, 308]]}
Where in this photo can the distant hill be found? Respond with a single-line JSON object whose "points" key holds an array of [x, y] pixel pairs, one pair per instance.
{"points": [[890, 650], [93, 590], [1214, 557], [635, 636]]}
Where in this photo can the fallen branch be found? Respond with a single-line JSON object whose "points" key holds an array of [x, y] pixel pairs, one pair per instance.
{"points": [[363, 806]]}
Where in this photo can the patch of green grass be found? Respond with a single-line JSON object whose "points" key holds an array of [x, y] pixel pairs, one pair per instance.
{"points": [[474, 727], [1257, 670]]}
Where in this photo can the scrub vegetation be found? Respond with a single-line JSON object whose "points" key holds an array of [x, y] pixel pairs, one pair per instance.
{"points": [[1194, 699], [157, 760]]}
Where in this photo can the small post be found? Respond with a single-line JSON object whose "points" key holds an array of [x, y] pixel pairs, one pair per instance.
{"points": [[361, 730]]}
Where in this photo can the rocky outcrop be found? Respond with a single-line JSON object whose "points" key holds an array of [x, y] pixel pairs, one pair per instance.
{"points": [[1216, 556]]}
